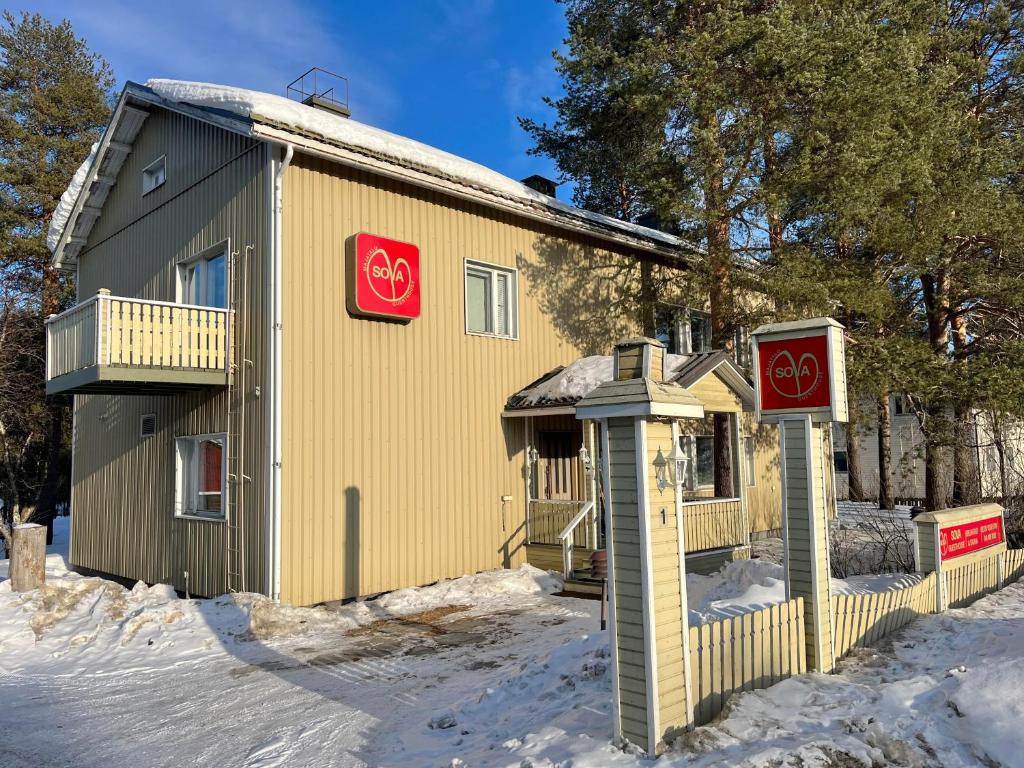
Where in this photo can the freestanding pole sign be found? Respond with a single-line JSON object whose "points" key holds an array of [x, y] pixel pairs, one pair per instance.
{"points": [[800, 384]]}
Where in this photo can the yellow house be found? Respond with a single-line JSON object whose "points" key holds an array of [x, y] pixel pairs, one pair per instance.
{"points": [[301, 351]]}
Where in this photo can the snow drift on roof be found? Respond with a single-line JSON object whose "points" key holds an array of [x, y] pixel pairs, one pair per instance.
{"points": [[577, 380], [67, 201], [278, 110]]}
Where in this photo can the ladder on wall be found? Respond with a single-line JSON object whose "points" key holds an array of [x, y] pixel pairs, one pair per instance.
{"points": [[237, 391]]}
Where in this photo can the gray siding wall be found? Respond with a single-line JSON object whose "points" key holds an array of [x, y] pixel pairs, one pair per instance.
{"points": [[218, 188]]}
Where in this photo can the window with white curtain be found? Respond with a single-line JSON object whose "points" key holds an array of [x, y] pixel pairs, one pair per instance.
{"points": [[201, 471], [491, 300]]}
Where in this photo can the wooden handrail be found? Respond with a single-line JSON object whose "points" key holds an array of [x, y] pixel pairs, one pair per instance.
{"points": [[565, 537]]}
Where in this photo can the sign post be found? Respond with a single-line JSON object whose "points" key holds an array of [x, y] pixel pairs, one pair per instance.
{"points": [[800, 384]]}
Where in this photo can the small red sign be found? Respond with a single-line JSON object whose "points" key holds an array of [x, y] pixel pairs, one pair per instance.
{"points": [[794, 373], [385, 275], [963, 539]]}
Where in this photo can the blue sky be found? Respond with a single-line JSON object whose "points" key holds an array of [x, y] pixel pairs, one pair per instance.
{"points": [[454, 74]]}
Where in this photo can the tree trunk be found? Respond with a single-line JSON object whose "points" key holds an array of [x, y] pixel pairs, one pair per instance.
{"points": [[1000, 446], [936, 457], [966, 472], [648, 299], [885, 494], [721, 294], [49, 491], [854, 462]]}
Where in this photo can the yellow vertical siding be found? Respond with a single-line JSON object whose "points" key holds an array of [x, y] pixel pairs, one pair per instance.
{"points": [[395, 453], [123, 485]]}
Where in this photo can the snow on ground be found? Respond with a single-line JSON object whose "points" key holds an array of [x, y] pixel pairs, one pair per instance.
{"points": [[485, 670]]}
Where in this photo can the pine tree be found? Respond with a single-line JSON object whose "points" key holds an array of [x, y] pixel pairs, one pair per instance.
{"points": [[54, 102]]}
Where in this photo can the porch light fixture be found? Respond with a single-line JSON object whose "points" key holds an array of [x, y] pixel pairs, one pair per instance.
{"points": [[661, 471], [531, 455], [586, 461], [679, 462]]}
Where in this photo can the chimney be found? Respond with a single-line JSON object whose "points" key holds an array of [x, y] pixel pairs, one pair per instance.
{"points": [[321, 89], [541, 184], [640, 358]]}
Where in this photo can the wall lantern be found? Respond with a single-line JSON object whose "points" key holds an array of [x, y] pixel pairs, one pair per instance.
{"points": [[661, 471], [586, 461], [679, 462]]}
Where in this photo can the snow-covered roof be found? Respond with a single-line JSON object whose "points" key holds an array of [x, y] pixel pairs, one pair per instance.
{"points": [[278, 118], [569, 384], [566, 386]]}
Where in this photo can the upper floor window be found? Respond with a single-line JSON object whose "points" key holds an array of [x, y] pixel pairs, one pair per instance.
{"points": [[492, 299], [200, 476], [683, 331], [154, 174], [203, 279]]}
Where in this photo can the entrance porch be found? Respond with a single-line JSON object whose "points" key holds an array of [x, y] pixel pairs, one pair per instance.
{"points": [[564, 511]]}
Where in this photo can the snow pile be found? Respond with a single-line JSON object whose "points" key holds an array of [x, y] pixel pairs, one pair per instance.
{"points": [[284, 112], [480, 588], [67, 201], [741, 586], [749, 585], [73, 614], [580, 378]]}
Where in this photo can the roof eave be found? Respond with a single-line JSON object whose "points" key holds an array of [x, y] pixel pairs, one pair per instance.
{"points": [[352, 158]]}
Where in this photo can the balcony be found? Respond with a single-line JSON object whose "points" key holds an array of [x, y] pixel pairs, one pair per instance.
{"points": [[115, 345]]}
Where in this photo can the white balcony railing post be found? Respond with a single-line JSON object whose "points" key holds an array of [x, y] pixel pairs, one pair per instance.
{"points": [[102, 317]]}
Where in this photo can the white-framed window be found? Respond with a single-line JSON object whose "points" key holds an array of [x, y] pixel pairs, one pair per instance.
{"points": [[701, 450], [492, 300], [200, 476], [699, 337], [683, 331], [203, 279], [748, 458], [154, 174]]}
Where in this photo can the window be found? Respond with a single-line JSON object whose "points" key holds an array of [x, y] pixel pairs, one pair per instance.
{"points": [[154, 174], [842, 463], [700, 332], [203, 280], [200, 474], [492, 297], [901, 405], [701, 450], [748, 457], [682, 331]]}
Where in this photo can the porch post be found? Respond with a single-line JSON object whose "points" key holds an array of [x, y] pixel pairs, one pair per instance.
{"points": [[647, 586]]}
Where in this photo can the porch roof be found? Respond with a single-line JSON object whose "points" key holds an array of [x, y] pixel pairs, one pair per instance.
{"points": [[560, 389]]}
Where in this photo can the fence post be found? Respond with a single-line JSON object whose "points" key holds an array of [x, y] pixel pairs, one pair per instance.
{"points": [[649, 626], [800, 383]]}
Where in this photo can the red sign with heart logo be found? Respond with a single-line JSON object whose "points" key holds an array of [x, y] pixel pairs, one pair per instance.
{"points": [[794, 373], [386, 277]]}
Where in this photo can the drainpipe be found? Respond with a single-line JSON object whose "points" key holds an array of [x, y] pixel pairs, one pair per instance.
{"points": [[276, 347]]}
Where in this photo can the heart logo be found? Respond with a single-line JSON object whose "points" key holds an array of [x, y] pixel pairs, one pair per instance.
{"points": [[390, 282], [792, 378]]}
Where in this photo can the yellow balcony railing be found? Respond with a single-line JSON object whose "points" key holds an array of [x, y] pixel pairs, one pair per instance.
{"points": [[116, 339]]}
